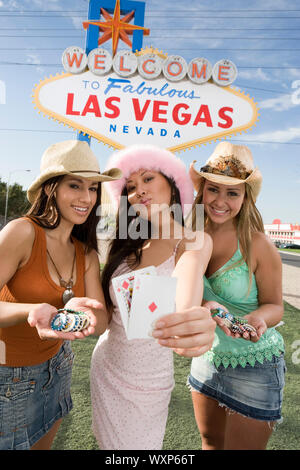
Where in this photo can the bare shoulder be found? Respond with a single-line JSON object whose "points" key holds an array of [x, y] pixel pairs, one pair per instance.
{"points": [[260, 241], [16, 242], [18, 232], [262, 247]]}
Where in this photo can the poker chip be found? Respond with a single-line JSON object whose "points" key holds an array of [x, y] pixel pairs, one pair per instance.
{"points": [[59, 322], [78, 323], [229, 317], [70, 321], [227, 323], [217, 312], [85, 321], [250, 328]]}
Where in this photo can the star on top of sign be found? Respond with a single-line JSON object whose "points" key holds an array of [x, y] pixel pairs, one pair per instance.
{"points": [[115, 27]]}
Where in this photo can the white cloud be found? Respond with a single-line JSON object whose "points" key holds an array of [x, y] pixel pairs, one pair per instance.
{"points": [[41, 3], [77, 21], [34, 59], [258, 74], [22, 5], [280, 103], [11, 5], [285, 135]]}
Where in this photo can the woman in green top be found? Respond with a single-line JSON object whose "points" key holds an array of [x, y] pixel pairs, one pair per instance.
{"points": [[241, 378]]}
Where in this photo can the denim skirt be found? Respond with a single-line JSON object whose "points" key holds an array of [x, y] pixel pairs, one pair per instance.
{"points": [[255, 392], [32, 398]]}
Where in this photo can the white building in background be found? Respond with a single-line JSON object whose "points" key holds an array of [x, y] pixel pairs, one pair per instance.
{"points": [[283, 233]]}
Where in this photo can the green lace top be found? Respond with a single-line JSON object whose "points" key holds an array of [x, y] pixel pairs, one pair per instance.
{"points": [[229, 287]]}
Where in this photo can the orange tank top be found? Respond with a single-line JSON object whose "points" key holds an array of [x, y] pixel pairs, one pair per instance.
{"points": [[32, 283]]}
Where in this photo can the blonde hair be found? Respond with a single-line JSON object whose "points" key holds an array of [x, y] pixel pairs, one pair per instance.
{"points": [[247, 221]]}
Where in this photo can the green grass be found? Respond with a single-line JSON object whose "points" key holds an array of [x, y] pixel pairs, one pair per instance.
{"points": [[181, 433], [289, 250]]}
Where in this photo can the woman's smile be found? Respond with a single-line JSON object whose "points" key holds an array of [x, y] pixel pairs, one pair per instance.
{"points": [[83, 210], [221, 202], [76, 197]]}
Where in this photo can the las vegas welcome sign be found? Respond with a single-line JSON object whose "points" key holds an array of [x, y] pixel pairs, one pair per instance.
{"points": [[146, 97]]}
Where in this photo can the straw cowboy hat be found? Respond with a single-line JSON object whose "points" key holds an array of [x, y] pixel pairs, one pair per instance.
{"points": [[71, 157], [229, 164]]}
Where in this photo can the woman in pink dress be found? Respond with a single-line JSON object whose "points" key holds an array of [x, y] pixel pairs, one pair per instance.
{"points": [[132, 380]]}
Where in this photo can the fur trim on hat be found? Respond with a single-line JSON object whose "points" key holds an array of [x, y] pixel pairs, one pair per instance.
{"points": [[135, 157]]}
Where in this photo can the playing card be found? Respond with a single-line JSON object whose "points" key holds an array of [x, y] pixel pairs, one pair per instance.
{"points": [[153, 297], [123, 287]]}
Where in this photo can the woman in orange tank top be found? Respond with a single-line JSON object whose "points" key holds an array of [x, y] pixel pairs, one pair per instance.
{"points": [[48, 261]]}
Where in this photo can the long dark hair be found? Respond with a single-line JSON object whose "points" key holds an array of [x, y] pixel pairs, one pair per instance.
{"points": [[45, 212], [123, 248]]}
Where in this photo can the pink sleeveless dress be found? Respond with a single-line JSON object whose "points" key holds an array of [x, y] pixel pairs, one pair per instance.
{"points": [[131, 384]]}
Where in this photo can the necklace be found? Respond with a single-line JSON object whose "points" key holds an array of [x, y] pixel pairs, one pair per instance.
{"points": [[68, 293]]}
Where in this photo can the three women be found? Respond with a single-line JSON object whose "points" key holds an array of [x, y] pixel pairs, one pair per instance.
{"points": [[51, 255]]}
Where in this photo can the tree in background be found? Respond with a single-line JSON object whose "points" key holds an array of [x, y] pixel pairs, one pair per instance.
{"points": [[17, 201]]}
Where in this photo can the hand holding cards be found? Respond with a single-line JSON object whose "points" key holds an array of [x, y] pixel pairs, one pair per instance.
{"points": [[142, 298], [153, 297], [123, 288]]}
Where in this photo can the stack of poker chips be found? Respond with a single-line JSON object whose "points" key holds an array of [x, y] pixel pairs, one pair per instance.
{"points": [[234, 323], [70, 321]]}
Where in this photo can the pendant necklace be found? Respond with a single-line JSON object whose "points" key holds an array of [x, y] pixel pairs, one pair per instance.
{"points": [[68, 293]]}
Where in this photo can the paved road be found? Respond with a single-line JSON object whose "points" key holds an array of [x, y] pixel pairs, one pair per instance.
{"points": [[292, 259], [291, 278]]}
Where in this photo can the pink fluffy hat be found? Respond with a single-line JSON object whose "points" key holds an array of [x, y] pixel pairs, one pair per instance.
{"points": [[132, 158]]}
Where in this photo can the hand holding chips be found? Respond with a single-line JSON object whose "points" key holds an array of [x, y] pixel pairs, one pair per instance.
{"points": [[234, 323]]}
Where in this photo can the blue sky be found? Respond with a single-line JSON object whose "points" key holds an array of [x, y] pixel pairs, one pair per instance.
{"points": [[261, 38]]}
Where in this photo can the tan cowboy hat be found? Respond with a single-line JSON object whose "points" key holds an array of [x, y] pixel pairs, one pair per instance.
{"points": [[71, 157], [229, 164]]}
